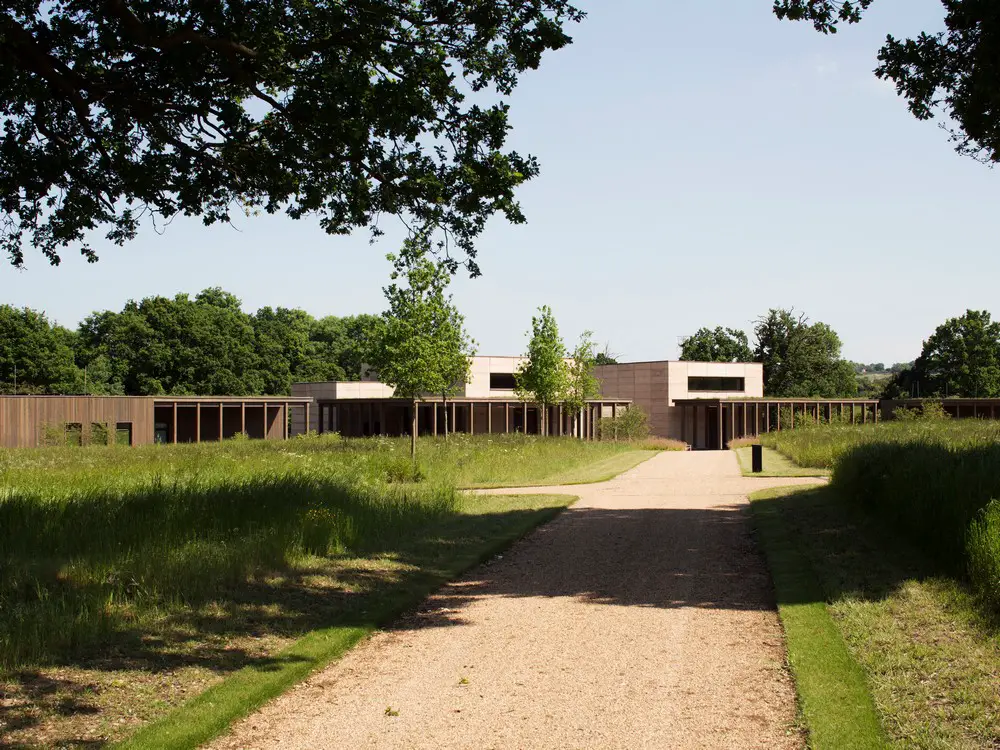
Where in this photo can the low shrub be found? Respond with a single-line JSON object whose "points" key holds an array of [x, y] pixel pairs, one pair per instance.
{"points": [[983, 551], [630, 424]]}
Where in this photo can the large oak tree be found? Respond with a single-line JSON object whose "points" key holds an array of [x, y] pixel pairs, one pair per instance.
{"points": [[118, 110]]}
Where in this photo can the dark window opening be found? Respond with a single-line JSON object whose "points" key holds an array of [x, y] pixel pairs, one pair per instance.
{"points": [[716, 384], [74, 433], [502, 381], [123, 433]]}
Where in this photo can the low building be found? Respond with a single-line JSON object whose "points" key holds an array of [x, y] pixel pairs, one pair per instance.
{"points": [[29, 421], [486, 404]]}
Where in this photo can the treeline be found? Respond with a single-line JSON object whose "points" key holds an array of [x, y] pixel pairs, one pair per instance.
{"points": [[205, 345], [802, 359]]}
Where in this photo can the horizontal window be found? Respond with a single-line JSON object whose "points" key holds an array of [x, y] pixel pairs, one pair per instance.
{"points": [[716, 384], [502, 381]]}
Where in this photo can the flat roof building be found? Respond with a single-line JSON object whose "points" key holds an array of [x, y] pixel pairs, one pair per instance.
{"points": [[29, 421]]}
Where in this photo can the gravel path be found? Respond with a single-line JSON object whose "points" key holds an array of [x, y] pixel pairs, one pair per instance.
{"points": [[642, 617]]}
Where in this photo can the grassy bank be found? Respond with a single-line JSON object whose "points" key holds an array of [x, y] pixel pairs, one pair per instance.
{"points": [[933, 481], [132, 579], [929, 657]]}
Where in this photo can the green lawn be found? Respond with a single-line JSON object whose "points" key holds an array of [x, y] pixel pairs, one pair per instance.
{"points": [[133, 580], [775, 465], [930, 660]]}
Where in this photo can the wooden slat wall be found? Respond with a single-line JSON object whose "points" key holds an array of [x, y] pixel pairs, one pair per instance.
{"points": [[23, 418]]}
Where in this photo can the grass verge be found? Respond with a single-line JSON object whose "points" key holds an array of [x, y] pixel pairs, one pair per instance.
{"points": [[833, 697], [487, 526], [775, 465], [930, 656], [600, 470]]}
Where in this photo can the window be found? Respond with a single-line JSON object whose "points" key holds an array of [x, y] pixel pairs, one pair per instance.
{"points": [[716, 384], [502, 381], [123, 433], [74, 433]]}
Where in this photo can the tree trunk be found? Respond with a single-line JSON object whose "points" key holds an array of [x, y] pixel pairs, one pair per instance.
{"points": [[413, 434]]}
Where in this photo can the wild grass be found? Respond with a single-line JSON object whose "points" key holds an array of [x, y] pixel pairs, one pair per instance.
{"points": [[929, 654], [120, 561], [930, 480]]}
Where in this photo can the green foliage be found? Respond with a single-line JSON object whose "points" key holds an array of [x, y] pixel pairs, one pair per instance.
{"points": [[628, 424], [961, 358], [544, 378], [801, 360], [420, 345], [205, 346], [342, 110], [953, 73], [581, 385], [928, 479], [983, 553], [719, 345], [35, 353]]}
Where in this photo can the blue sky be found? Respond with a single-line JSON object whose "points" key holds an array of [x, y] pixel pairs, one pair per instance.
{"points": [[701, 162]]}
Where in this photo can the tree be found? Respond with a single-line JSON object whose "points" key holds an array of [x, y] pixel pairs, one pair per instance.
{"points": [[416, 346], [581, 385], [35, 356], [118, 111], [961, 358], [801, 359], [606, 357], [544, 377], [954, 74], [720, 345]]}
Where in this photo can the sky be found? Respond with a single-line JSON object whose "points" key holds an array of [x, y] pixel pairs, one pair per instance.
{"points": [[701, 162]]}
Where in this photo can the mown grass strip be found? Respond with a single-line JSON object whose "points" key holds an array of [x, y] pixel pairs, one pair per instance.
{"points": [[601, 470], [833, 696], [775, 465], [210, 713]]}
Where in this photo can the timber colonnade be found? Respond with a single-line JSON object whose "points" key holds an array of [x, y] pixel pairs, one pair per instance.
{"points": [[713, 423], [393, 417]]}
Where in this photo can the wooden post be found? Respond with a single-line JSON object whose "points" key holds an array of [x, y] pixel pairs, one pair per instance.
{"points": [[559, 419], [265, 419], [197, 422], [489, 418], [875, 412], [220, 421], [721, 428], [684, 423], [174, 435], [694, 426], [506, 417], [756, 419], [777, 414], [243, 417], [434, 420], [472, 418], [864, 414]]}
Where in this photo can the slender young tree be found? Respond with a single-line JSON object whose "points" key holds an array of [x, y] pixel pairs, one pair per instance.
{"points": [[455, 349], [419, 344], [544, 378], [581, 383]]}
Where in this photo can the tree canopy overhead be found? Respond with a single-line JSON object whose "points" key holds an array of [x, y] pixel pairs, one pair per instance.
{"points": [[954, 73], [118, 110]]}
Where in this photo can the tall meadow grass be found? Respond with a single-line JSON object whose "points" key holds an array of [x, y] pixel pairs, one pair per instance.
{"points": [[99, 540], [933, 480]]}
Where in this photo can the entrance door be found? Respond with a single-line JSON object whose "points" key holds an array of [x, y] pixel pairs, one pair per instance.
{"points": [[712, 431]]}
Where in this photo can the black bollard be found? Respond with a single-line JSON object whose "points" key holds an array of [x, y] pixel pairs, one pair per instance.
{"points": [[757, 452]]}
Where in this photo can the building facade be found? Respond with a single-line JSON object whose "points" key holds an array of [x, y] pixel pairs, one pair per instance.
{"points": [[30, 421], [487, 404]]}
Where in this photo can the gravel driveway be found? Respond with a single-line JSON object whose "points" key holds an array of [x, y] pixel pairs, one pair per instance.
{"points": [[642, 617]]}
